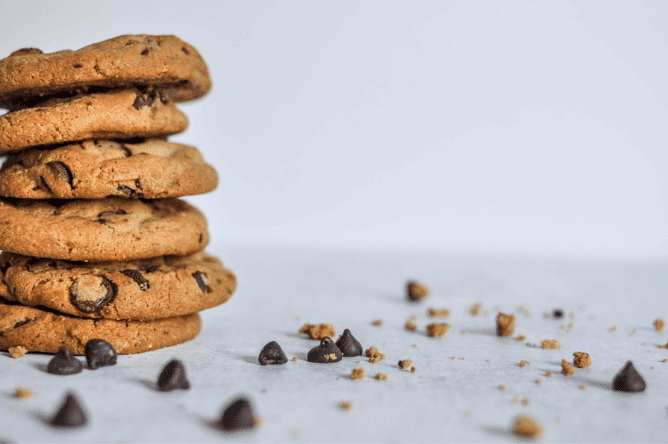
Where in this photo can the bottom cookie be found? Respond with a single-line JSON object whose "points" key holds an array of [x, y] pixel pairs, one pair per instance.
{"points": [[46, 331]]}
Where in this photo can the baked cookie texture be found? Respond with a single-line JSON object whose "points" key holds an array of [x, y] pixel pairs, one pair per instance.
{"points": [[95, 169], [101, 230], [115, 114], [44, 331], [137, 290], [120, 62]]}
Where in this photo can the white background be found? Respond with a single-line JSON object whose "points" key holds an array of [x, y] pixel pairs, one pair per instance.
{"points": [[533, 127]]}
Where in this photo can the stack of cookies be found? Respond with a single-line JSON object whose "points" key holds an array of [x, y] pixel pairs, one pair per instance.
{"points": [[95, 242]]}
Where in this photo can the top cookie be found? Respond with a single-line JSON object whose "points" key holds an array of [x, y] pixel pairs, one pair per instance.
{"points": [[28, 76]]}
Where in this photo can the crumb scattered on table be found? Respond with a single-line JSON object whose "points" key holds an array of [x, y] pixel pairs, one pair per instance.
{"points": [[405, 363], [410, 325], [581, 359], [374, 355], [524, 363], [318, 331], [463, 332], [475, 309], [22, 393], [437, 329], [550, 343], [583, 386], [613, 329], [566, 368], [377, 322], [539, 381], [663, 346], [357, 373], [520, 338], [505, 324], [502, 387], [658, 324], [416, 291], [526, 401], [526, 426], [346, 406], [294, 359], [17, 352], [416, 346], [438, 312], [413, 370], [548, 373], [381, 377]]}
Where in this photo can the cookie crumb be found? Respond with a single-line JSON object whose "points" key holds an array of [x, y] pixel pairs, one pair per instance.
{"points": [[665, 360], [515, 400], [413, 370], [346, 406], [265, 390], [489, 360], [475, 309], [381, 377], [410, 326], [463, 358], [416, 346], [17, 352], [416, 291], [505, 324], [523, 311], [377, 322], [524, 363], [613, 329], [437, 329], [438, 312], [502, 387], [453, 358], [538, 381], [520, 338], [317, 331], [566, 368], [22, 393], [374, 355], [463, 332], [357, 373], [581, 359], [550, 343], [405, 363], [294, 359], [662, 346], [658, 324], [634, 331], [526, 401], [548, 373], [526, 426], [583, 386]]}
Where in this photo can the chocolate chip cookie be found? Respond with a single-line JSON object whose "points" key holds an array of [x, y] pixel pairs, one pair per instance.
{"points": [[101, 230], [116, 114], [138, 290], [40, 330], [28, 75], [94, 169]]}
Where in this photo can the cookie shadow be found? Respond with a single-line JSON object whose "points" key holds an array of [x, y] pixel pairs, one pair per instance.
{"points": [[594, 383], [499, 432], [41, 367], [249, 359], [41, 417], [151, 385]]}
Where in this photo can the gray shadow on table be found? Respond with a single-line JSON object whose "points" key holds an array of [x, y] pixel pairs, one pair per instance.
{"points": [[395, 298], [41, 367], [41, 417], [482, 331], [499, 432], [250, 359], [151, 385], [594, 383]]}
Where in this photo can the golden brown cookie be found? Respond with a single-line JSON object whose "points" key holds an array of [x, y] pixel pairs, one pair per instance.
{"points": [[101, 230], [165, 61], [119, 114], [139, 290], [95, 169], [44, 331]]}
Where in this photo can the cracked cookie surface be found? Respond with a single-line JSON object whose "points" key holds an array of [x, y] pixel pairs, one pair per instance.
{"points": [[117, 114], [28, 74], [137, 290], [101, 230], [95, 169], [45, 331]]}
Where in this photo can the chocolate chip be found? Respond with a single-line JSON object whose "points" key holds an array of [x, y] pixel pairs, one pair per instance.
{"points": [[100, 353], [238, 415], [20, 324], [325, 353], [70, 413], [43, 184], [62, 171], [202, 281], [77, 66], [143, 100], [173, 377], [138, 278], [63, 363], [144, 52], [90, 293], [185, 51], [26, 51], [628, 380], [126, 190], [38, 265], [415, 291], [348, 345], [102, 215], [272, 353], [126, 150], [147, 268], [557, 313]]}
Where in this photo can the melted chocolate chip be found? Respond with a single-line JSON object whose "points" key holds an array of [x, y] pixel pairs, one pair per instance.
{"points": [[70, 413], [238, 415], [185, 51], [557, 313], [348, 345], [43, 184], [100, 353], [144, 52], [202, 281], [26, 51], [90, 293], [77, 66], [63, 363], [325, 353], [62, 171], [173, 377], [147, 268], [111, 213], [628, 380], [272, 353], [126, 150], [138, 278], [20, 324]]}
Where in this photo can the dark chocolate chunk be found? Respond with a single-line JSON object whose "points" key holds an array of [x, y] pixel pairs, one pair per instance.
{"points": [[557, 313], [111, 213], [62, 171], [202, 281], [628, 379], [90, 293], [70, 413], [238, 415], [100, 353], [63, 363], [325, 353], [77, 66], [138, 278], [272, 353], [144, 52], [348, 345], [173, 377]]}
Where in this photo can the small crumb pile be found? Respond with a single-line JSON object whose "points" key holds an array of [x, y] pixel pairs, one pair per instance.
{"points": [[374, 355], [317, 331], [346, 406], [22, 393], [435, 330], [406, 363], [526, 427], [381, 377], [410, 325], [505, 324], [566, 368], [581, 359], [377, 322], [520, 338], [524, 363], [550, 343], [475, 309], [17, 352], [658, 324], [357, 373], [416, 291]]}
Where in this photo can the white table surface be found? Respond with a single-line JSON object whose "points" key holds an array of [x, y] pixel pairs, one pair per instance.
{"points": [[281, 289]]}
